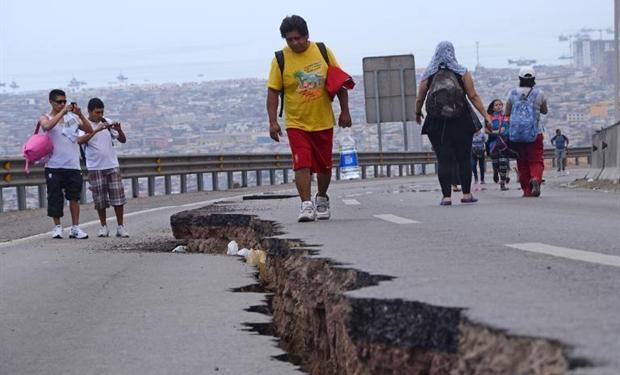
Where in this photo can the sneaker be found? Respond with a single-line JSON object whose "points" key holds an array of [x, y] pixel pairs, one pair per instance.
{"points": [[482, 182], [77, 232], [502, 186], [57, 232], [322, 207], [104, 232], [307, 212], [535, 187], [121, 232], [495, 176]]}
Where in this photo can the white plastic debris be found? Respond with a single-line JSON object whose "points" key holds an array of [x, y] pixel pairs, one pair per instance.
{"points": [[180, 249], [243, 252], [233, 248], [590, 180]]}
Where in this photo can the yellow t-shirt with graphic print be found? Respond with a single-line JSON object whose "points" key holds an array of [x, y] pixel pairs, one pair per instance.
{"points": [[306, 102]]}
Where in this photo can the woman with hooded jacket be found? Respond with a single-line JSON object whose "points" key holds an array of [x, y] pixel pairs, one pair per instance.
{"points": [[451, 136]]}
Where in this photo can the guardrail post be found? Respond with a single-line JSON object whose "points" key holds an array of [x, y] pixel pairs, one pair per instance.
{"points": [[244, 178], [553, 162], [83, 193], [424, 169], [1, 201], [215, 181], [167, 184], [400, 170], [200, 181], [577, 160], [259, 178], [376, 171], [412, 169], [42, 195], [590, 159], [21, 197], [151, 185], [135, 187], [230, 180], [338, 173], [364, 176], [285, 176], [272, 176], [183, 183], [389, 171]]}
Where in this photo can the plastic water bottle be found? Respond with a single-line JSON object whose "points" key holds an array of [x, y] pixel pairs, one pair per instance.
{"points": [[349, 167]]}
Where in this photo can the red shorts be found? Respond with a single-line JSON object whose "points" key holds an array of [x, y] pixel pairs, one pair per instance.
{"points": [[312, 150]]}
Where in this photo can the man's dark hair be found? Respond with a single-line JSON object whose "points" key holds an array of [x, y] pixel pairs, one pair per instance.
{"points": [[56, 93], [95, 103], [558, 131], [293, 23], [527, 82]]}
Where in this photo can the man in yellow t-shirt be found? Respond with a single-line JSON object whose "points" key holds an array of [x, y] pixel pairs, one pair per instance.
{"points": [[309, 116]]}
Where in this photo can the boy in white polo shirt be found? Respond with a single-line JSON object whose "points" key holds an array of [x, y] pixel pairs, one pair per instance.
{"points": [[104, 173]]}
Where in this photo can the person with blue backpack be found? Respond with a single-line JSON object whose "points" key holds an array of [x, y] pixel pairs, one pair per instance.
{"points": [[524, 106]]}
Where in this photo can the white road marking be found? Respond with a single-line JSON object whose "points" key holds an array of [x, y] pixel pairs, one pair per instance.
{"points": [[396, 219], [113, 218], [354, 195], [564, 252], [351, 202]]}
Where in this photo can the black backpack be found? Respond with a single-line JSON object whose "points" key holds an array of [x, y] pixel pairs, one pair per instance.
{"points": [[280, 59], [446, 96]]}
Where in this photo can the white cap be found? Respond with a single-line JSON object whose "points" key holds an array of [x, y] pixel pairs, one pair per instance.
{"points": [[527, 70]]}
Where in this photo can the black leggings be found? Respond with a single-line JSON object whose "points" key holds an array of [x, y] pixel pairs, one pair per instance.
{"points": [[451, 142]]}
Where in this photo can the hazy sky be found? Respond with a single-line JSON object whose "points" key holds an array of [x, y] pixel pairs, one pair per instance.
{"points": [[45, 43]]}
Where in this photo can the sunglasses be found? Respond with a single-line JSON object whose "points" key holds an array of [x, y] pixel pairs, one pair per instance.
{"points": [[60, 101]]}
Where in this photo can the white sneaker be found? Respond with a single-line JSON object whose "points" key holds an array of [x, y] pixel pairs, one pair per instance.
{"points": [[307, 212], [104, 232], [322, 207], [77, 232], [57, 232], [121, 232]]}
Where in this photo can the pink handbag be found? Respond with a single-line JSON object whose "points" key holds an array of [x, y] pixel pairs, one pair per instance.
{"points": [[37, 148]]}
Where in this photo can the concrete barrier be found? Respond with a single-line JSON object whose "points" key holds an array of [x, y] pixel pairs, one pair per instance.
{"points": [[605, 154]]}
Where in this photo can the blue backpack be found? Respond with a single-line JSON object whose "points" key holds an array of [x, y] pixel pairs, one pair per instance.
{"points": [[523, 117]]}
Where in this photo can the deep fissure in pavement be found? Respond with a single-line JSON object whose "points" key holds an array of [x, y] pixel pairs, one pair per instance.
{"points": [[327, 332]]}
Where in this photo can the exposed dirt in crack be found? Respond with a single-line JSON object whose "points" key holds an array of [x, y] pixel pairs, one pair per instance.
{"points": [[327, 332]]}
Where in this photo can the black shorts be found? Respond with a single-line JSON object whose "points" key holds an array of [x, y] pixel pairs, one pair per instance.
{"points": [[62, 184]]}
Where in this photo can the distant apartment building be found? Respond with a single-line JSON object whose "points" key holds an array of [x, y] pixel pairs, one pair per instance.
{"points": [[596, 54]]}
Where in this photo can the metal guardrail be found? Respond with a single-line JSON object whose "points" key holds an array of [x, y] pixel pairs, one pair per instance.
{"points": [[150, 167]]}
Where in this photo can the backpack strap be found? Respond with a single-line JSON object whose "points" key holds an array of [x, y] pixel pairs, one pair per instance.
{"points": [[323, 50], [280, 59], [36, 130]]}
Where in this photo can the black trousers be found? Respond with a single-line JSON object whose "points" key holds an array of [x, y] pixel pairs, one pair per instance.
{"points": [[451, 142]]}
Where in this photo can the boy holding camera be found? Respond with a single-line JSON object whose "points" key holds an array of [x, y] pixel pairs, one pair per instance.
{"points": [[104, 173], [63, 175]]}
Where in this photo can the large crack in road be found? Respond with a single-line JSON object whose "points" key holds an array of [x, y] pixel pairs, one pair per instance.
{"points": [[326, 331]]}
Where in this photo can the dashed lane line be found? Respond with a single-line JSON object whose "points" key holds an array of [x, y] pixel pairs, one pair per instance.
{"points": [[351, 202], [565, 252], [396, 219]]}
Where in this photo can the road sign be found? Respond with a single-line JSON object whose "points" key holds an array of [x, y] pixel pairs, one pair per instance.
{"points": [[390, 91]]}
